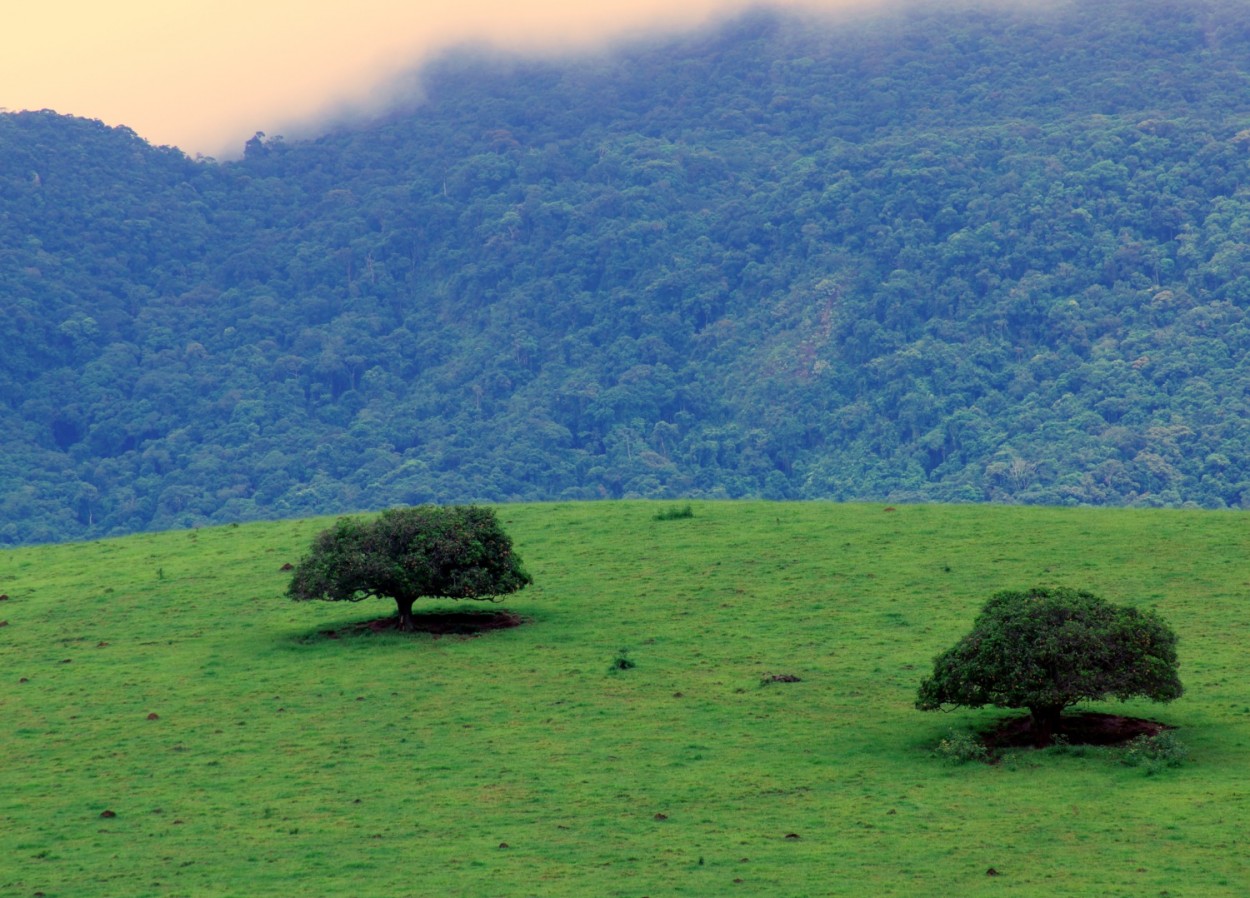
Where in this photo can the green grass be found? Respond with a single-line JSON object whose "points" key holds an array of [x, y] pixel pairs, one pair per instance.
{"points": [[283, 762]]}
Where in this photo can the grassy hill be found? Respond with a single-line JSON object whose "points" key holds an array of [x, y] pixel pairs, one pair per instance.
{"points": [[165, 679]]}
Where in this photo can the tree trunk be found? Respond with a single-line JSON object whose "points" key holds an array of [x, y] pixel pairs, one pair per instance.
{"points": [[406, 623], [1045, 723]]}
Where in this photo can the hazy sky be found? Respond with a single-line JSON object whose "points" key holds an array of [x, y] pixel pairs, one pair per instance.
{"points": [[205, 75]]}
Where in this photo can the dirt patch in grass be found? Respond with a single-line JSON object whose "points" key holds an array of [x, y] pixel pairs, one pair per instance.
{"points": [[1086, 728], [438, 623], [780, 678]]}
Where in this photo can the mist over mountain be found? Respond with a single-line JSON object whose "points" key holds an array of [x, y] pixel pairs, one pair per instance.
{"points": [[958, 254]]}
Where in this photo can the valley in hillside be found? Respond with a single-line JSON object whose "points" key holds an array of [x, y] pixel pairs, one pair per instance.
{"points": [[937, 253]]}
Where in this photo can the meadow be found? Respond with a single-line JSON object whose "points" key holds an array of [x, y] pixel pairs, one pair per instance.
{"points": [[173, 725]]}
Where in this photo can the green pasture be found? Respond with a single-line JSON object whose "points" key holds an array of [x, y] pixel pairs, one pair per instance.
{"points": [[281, 761]]}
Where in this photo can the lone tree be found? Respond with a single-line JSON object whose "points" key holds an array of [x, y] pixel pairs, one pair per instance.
{"points": [[453, 552], [1047, 649]]}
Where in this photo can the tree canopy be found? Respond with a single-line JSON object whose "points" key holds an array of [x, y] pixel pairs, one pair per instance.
{"points": [[428, 551], [1047, 649], [929, 254]]}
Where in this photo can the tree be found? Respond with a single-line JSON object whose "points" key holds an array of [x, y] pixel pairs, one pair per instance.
{"points": [[453, 552], [1047, 649]]}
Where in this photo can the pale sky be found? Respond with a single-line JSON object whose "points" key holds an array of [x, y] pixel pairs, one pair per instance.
{"points": [[204, 75]]}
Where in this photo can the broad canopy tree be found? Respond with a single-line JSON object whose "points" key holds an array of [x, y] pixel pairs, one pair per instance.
{"points": [[425, 551], [1047, 649]]}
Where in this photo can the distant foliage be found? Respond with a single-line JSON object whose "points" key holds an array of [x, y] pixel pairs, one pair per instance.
{"points": [[1047, 649], [931, 254]]}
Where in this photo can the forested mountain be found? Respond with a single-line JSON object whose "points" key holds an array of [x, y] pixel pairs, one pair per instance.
{"points": [[953, 254]]}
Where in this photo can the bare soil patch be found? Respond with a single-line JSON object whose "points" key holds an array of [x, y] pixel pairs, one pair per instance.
{"points": [[781, 678], [1085, 728], [438, 623]]}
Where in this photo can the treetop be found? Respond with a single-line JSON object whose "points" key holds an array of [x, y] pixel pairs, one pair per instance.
{"points": [[1048, 648]]}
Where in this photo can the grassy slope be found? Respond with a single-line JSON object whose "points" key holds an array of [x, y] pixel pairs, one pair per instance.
{"points": [[287, 763]]}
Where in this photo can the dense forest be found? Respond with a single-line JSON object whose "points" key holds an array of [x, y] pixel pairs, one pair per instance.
{"points": [[966, 253]]}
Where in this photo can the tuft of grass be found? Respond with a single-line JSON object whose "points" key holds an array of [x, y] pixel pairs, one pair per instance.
{"points": [[1063, 746], [281, 761], [674, 513]]}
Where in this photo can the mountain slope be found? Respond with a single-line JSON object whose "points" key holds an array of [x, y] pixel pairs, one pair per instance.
{"points": [[960, 254]]}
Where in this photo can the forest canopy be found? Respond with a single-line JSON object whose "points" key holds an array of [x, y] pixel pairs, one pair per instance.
{"points": [[957, 254]]}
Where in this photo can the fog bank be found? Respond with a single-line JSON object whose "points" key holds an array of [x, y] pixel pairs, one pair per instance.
{"points": [[205, 77]]}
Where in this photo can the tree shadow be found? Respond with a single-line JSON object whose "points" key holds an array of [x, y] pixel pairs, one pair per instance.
{"points": [[1081, 728], [430, 623]]}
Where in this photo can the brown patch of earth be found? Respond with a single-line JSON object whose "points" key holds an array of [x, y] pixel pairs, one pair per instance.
{"points": [[438, 623], [1085, 728], [781, 678]]}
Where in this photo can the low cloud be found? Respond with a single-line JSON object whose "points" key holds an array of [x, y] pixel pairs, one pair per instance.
{"points": [[205, 77]]}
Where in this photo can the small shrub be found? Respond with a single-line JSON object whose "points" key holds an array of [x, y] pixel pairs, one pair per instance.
{"points": [[961, 748], [673, 513], [622, 661], [1155, 752]]}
